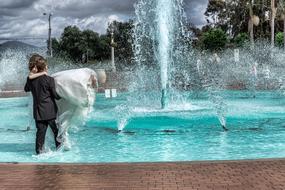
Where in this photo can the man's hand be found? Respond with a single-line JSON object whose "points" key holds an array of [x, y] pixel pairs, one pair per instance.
{"points": [[94, 82]]}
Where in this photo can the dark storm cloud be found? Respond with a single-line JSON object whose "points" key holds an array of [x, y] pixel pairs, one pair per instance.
{"points": [[22, 18], [97, 7], [194, 9], [10, 4], [13, 8], [7, 12]]}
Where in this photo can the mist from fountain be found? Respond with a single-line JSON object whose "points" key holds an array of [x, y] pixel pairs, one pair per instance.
{"points": [[10, 74]]}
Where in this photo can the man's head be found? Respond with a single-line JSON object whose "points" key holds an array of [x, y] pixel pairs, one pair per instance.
{"points": [[37, 63]]}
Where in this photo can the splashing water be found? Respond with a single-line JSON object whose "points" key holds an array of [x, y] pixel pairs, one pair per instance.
{"points": [[159, 31], [161, 38], [10, 74], [122, 123], [164, 15]]}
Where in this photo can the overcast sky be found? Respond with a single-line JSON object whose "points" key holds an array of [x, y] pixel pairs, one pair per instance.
{"points": [[24, 18]]}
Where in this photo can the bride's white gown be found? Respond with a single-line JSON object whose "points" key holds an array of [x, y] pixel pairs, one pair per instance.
{"points": [[77, 89]]}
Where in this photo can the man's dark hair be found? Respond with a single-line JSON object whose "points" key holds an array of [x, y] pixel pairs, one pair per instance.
{"points": [[37, 61]]}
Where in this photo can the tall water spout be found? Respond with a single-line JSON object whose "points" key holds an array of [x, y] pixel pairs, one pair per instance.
{"points": [[159, 40], [165, 26]]}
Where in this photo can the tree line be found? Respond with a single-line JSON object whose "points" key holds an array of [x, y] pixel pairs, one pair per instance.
{"points": [[89, 46], [229, 24], [242, 21]]}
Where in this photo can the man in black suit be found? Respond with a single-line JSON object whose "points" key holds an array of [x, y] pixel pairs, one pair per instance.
{"points": [[44, 95]]}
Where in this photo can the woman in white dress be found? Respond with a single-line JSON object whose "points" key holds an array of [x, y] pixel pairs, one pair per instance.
{"points": [[77, 89]]}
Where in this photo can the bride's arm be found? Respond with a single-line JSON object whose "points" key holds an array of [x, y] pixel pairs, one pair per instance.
{"points": [[36, 75]]}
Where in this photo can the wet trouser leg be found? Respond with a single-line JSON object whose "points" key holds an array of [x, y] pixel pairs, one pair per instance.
{"points": [[41, 133], [54, 129]]}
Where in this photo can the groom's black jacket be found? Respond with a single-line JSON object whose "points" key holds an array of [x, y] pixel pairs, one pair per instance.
{"points": [[44, 95]]}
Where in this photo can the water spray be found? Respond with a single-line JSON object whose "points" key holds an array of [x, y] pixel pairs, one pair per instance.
{"points": [[163, 98]]}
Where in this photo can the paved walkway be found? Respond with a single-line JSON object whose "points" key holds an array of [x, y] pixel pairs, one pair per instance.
{"points": [[232, 175]]}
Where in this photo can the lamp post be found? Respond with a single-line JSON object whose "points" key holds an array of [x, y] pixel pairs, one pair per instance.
{"points": [[49, 35], [113, 49]]}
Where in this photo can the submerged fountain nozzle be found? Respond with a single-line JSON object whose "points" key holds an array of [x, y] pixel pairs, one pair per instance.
{"points": [[225, 128]]}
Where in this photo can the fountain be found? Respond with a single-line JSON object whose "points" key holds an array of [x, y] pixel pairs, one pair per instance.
{"points": [[159, 38], [163, 42], [165, 34]]}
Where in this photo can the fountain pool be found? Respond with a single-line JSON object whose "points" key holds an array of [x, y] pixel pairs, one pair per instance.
{"points": [[182, 132]]}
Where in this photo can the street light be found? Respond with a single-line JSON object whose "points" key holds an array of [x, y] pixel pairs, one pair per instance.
{"points": [[113, 48], [49, 47]]}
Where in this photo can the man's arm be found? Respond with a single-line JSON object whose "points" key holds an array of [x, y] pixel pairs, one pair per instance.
{"points": [[27, 86], [52, 89], [36, 75]]}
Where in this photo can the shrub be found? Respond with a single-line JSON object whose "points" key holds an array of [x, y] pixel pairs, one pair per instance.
{"points": [[241, 39], [214, 39], [279, 38]]}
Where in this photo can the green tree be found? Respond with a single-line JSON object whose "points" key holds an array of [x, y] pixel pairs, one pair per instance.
{"points": [[281, 8], [71, 43], [90, 44], [104, 48], [214, 11], [214, 39], [234, 17], [55, 47], [231, 16]]}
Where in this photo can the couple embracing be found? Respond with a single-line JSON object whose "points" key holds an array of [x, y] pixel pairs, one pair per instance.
{"points": [[60, 100]]}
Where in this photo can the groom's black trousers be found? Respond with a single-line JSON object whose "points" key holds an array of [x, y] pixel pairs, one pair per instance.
{"points": [[41, 134]]}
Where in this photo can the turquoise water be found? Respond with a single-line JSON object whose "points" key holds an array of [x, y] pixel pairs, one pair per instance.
{"points": [[186, 131]]}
